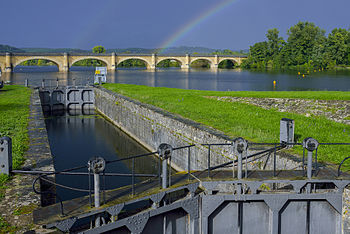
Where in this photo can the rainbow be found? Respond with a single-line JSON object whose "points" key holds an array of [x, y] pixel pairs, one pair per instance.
{"points": [[196, 21]]}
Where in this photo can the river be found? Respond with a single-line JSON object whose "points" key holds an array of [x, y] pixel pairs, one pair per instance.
{"points": [[202, 79]]}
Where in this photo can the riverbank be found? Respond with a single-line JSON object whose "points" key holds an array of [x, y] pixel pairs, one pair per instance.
{"points": [[247, 120], [14, 113]]}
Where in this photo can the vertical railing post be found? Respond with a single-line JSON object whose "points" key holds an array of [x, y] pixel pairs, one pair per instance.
{"points": [[209, 161], [164, 152], [310, 144], [56, 83], [241, 146], [43, 83], [26, 82], [160, 171], [97, 165], [90, 197], [233, 158], [274, 160], [5, 155], [133, 177], [189, 162]]}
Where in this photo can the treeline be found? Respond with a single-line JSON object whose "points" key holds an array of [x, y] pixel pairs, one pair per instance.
{"points": [[306, 47], [37, 62]]}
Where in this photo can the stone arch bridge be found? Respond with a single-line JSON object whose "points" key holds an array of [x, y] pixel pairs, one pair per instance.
{"points": [[8, 61]]}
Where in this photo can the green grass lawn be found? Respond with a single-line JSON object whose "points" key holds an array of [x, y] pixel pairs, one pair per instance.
{"points": [[14, 113], [243, 120]]}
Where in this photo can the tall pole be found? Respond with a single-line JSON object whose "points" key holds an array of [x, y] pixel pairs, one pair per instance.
{"points": [[164, 152], [97, 165]]}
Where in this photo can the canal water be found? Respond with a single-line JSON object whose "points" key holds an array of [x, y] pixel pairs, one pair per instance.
{"points": [[74, 139], [202, 79]]}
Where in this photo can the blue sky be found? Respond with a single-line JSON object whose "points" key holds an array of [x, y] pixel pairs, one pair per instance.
{"points": [[151, 23]]}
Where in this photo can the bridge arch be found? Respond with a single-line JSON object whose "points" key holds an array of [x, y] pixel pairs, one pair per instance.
{"points": [[210, 62], [233, 61], [21, 60], [75, 60], [147, 63], [170, 58]]}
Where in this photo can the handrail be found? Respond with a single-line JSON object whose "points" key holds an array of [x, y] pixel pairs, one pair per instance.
{"points": [[341, 165]]}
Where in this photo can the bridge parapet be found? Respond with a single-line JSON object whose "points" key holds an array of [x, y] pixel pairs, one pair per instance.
{"points": [[65, 60]]}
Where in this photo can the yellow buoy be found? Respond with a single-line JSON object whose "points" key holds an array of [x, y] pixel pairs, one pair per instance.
{"points": [[303, 76], [298, 73], [274, 83]]}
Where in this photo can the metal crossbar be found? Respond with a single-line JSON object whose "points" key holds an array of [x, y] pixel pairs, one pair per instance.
{"points": [[233, 163]]}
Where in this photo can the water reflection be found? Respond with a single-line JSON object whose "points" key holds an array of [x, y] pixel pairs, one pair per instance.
{"points": [[74, 139], [202, 79]]}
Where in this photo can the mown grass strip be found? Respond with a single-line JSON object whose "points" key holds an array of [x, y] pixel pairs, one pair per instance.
{"points": [[248, 121], [14, 113]]}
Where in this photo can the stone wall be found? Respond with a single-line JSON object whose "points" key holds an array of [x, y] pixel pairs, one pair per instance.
{"points": [[152, 126]]}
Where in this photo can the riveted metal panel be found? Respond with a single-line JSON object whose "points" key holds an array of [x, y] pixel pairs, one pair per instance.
{"points": [[224, 219], [176, 222], [293, 218], [323, 218], [255, 217]]}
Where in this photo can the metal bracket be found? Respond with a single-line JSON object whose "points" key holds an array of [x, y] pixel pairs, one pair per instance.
{"points": [[137, 223], [66, 225], [156, 198], [191, 207], [210, 204], [115, 210], [275, 202]]}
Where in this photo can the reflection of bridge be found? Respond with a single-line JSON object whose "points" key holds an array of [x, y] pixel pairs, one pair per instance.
{"points": [[64, 61]]}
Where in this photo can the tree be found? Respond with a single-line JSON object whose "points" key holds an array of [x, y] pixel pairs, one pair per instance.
{"points": [[338, 45], [98, 50], [274, 42], [303, 37]]}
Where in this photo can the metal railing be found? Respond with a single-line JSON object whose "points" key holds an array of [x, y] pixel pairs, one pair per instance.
{"points": [[239, 157], [58, 83]]}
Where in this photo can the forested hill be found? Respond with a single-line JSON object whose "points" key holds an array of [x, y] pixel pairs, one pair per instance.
{"points": [[7, 48], [171, 50]]}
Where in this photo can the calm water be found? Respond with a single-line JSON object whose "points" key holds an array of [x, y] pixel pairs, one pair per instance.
{"points": [[203, 79], [76, 139]]}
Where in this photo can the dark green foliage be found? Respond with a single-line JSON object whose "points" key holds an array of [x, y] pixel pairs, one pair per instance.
{"points": [[168, 63], [37, 62], [98, 50], [307, 47], [90, 63], [132, 63], [200, 63]]}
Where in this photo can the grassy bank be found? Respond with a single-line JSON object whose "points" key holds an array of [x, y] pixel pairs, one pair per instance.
{"points": [[248, 121], [14, 112]]}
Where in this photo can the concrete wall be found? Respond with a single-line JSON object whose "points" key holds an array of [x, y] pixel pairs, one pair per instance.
{"points": [[152, 126]]}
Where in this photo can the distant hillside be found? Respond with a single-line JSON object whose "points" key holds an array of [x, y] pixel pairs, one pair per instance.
{"points": [[170, 50], [7, 48], [58, 50]]}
